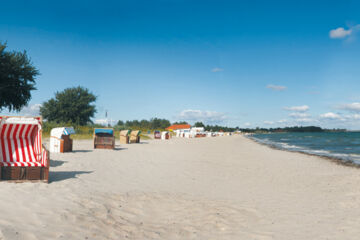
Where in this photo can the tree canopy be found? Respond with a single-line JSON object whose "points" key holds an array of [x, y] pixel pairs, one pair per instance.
{"points": [[154, 123], [199, 124], [180, 123], [17, 79], [73, 105]]}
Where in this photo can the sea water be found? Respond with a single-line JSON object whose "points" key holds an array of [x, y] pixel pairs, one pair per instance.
{"points": [[340, 145]]}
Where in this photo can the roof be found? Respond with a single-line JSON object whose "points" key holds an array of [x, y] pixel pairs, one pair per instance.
{"points": [[179, 126]]}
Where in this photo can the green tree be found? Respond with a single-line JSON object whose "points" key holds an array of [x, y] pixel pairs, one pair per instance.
{"points": [[199, 124], [73, 105], [180, 123], [120, 123], [17, 79]]}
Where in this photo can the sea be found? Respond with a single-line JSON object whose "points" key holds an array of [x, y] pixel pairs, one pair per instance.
{"points": [[344, 146]]}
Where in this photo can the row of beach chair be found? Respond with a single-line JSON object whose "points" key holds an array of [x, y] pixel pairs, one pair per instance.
{"points": [[23, 157]]}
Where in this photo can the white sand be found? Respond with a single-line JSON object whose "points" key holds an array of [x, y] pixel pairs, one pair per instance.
{"points": [[209, 188]]}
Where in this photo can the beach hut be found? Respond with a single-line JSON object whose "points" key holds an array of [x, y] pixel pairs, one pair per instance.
{"points": [[165, 135], [104, 138], [135, 136], [22, 155], [124, 136], [60, 140], [157, 134]]}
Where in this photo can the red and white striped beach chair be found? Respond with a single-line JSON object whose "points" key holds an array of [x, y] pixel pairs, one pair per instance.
{"points": [[22, 155]]}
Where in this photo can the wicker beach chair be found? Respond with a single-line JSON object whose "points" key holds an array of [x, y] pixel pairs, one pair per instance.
{"points": [[22, 155], [135, 136], [60, 140], [165, 135], [124, 136], [104, 138], [157, 134]]}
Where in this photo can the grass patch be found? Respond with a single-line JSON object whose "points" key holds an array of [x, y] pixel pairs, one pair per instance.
{"points": [[87, 132]]}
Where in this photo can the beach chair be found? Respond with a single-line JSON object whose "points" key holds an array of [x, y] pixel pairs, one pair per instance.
{"points": [[157, 135], [60, 140], [22, 155], [165, 135], [104, 138], [124, 136], [135, 136]]}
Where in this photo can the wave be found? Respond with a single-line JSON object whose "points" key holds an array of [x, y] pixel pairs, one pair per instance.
{"points": [[345, 157]]}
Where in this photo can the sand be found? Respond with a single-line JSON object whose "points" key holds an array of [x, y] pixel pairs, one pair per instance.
{"points": [[209, 188]]}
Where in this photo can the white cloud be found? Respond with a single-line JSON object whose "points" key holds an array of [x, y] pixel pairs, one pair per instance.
{"points": [[303, 108], [247, 124], [268, 122], [217, 69], [352, 117], [282, 121], [340, 33], [203, 116], [276, 87], [353, 107], [331, 116], [299, 115], [305, 120], [356, 116], [29, 110]]}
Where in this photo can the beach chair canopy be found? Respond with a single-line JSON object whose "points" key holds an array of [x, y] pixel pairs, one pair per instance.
{"points": [[135, 133], [58, 132], [104, 130], [20, 142], [125, 133]]}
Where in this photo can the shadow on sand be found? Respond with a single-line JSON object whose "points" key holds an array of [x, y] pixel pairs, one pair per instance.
{"points": [[56, 163], [81, 151], [60, 176], [118, 148]]}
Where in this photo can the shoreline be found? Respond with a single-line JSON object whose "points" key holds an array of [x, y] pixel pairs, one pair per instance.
{"points": [[336, 160]]}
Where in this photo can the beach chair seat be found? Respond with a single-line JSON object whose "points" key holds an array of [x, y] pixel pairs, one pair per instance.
{"points": [[21, 164], [124, 136], [165, 135], [60, 140], [135, 136], [104, 138], [157, 134], [22, 155]]}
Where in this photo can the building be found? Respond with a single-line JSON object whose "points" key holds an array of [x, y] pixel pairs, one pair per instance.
{"points": [[179, 129]]}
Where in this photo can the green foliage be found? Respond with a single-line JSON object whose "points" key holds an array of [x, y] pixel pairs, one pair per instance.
{"points": [[17, 79], [217, 128], [199, 124], [82, 132], [291, 129], [180, 123], [154, 123], [72, 105], [297, 129]]}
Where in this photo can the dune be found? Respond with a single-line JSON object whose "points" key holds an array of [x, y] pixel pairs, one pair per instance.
{"points": [[207, 188]]}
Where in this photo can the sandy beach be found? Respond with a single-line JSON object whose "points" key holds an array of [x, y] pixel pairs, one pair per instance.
{"points": [[208, 188]]}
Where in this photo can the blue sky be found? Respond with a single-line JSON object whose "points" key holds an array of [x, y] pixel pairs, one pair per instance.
{"points": [[235, 63]]}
